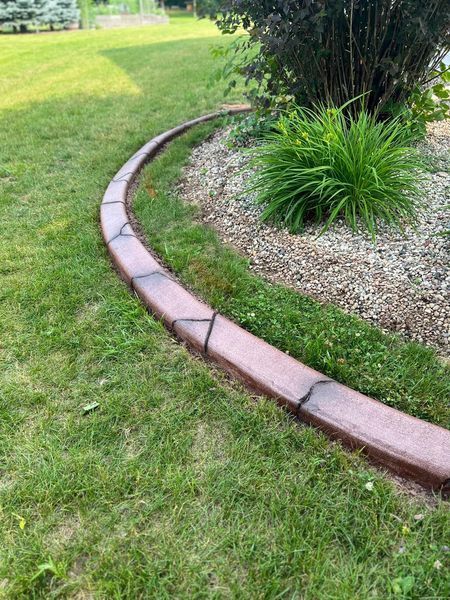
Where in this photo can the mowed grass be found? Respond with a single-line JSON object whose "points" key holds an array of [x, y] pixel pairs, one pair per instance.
{"points": [[180, 485]]}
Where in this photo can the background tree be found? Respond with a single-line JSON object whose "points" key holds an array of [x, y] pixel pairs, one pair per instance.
{"points": [[59, 12], [19, 13], [85, 7], [207, 7]]}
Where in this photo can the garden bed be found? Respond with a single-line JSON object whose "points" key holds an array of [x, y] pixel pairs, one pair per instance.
{"points": [[401, 283]]}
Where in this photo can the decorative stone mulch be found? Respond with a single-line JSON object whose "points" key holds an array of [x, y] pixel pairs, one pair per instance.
{"points": [[401, 283]]}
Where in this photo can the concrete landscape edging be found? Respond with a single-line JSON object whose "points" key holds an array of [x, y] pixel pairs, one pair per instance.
{"points": [[406, 445]]}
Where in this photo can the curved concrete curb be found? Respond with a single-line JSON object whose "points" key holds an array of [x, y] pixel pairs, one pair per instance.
{"points": [[403, 443]]}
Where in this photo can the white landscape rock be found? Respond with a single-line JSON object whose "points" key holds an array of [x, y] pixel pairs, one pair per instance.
{"points": [[401, 283]]}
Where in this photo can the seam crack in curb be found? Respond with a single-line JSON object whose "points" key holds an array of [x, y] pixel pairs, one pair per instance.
{"points": [[208, 334], [121, 234], [301, 401], [157, 272], [189, 321], [122, 177]]}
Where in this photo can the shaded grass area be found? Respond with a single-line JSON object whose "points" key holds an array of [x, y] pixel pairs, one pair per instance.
{"points": [[180, 485], [402, 374]]}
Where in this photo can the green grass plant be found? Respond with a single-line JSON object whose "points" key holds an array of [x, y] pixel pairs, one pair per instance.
{"points": [[324, 164]]}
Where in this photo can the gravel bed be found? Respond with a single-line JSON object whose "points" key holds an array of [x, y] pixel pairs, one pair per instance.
{"points": [[401, 283]]}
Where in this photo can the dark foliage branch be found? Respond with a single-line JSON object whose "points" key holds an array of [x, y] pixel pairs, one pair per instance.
{"points": [[334, 50]]}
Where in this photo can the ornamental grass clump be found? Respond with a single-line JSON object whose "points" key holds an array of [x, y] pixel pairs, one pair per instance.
{"points": [[323, 164]]}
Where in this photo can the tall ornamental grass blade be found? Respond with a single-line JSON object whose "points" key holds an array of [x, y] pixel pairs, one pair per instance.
{"points": [[323, 165]]}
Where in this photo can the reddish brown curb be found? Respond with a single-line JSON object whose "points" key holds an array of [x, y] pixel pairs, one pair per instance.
{"points": [[406, 445]]}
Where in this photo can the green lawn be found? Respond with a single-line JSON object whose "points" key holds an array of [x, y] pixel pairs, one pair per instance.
{"points": [[181, 484]]}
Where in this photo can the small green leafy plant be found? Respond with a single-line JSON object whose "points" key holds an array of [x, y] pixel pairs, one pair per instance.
{"points": [[425, 103], [56, 570], [254, 126], [323, 164], [432, 103]]}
